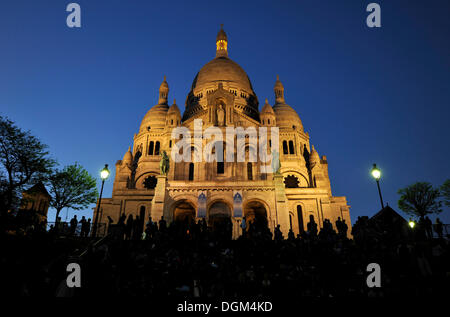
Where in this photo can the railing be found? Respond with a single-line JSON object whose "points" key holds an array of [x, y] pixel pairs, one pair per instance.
{"points": [[64, 229], [445, 231]]}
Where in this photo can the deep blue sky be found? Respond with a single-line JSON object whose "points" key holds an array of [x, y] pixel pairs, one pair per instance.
{"points": [[364, 95]]}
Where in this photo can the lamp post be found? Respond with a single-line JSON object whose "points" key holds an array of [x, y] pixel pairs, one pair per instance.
{"points": [[104, 174], [376, 173]]}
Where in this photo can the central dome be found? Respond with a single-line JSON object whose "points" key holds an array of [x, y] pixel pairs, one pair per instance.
{"points": [[222, 69]]}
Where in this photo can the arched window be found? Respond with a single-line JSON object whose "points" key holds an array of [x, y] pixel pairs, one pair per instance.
{"points": [[150, 148], [157, 148], [268, 121], [170, 144], [249, 171], [285, 147], [291, 181], [191, 171], [300, 218], [150, 182], [291, 147], [290, 221]]}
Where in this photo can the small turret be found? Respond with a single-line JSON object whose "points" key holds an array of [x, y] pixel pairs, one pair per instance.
{"points": [[128, 157], [163, 92], [279, 92]]}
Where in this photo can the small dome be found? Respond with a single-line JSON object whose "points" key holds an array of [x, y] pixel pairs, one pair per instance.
{"points": [[314, 158], [155, 117], [128, 157], [287, 117], [174, 109], [267, 108]]}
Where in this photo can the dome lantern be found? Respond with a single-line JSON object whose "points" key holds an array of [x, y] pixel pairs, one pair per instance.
{"points": [[279, 92], [163, 92], [221, 43]]}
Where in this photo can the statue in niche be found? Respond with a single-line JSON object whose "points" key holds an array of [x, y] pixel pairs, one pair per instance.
{"points": [[220, 115]]}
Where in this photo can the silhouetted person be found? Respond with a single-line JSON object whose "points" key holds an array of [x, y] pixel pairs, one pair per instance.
{"points": [[278, 233], [339, 225], [162, 224], [73, 225], [82, 225], [291, 235], [344, 229], [129, 227], [428, 227], [439, 226], [312, 227], [137, 225], [88, 227]]}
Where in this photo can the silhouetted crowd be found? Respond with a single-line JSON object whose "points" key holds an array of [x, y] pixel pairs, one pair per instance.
{"points": [[192, 259]]}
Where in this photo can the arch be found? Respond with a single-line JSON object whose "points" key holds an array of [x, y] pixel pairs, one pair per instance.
{"points": [[303, 180], [256, 212], [183, 211], [219, 217], [141, 177]]}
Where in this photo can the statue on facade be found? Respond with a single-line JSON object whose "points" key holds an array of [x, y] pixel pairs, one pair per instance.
{"points": [[220, 116], [164, 164], [276, 162]]}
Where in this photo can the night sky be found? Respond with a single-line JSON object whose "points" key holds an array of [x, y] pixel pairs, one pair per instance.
{"points": [[364, 95]]}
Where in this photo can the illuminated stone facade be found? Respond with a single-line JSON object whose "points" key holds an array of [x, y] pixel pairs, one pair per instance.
{"points": [[222, 96]]}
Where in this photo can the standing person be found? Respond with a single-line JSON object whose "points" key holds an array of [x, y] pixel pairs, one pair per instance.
{"points": [[428, 227], [137, 228], [73, 225], [83, 226], [344, 229], [312, 227], [88, 227], [439, 227], [129, 227]]}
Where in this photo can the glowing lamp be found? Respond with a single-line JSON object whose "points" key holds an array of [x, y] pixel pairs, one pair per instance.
{"points": [[104, 174], [376, 173]]}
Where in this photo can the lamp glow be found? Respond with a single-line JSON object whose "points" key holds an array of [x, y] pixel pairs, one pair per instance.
{"points": [[104, 174], [376, 173], [412, 224]]}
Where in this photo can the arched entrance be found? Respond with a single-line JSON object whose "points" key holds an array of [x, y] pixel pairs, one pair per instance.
{"points": [[219, 219], [184, 212], [255, 215]]}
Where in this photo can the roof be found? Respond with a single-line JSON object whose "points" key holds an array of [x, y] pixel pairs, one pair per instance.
{"points": [[38, 188]]}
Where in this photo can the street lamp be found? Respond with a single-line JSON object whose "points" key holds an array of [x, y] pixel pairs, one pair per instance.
{"points": [[412, 224], [376, 173], [104, 174]]}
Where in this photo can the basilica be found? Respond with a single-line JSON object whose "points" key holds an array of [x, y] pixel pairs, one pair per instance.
{"points": [[222, 97]]}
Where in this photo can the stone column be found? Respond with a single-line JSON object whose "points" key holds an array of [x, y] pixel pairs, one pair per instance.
{"points": [[282, 212], [158, 200]]}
